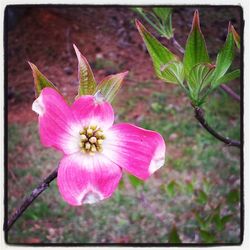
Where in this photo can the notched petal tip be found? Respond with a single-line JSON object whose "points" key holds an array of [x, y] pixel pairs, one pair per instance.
{"points": [[138, 151], [156, 163], [91, 197], [158, 159]]}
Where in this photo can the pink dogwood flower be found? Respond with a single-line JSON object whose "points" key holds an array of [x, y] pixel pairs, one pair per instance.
{"points": [[95, 151]]}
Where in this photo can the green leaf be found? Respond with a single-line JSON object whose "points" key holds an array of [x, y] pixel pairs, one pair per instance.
{"points": [[173, 72], [218, 222], [198, 78], [173, 236], [157, 107], [121, 184], [135, 182], [165, 15], [195, 51], [202, 197], [227, 78], [87, 83], [190, 188], [137, 9], [207, 237], [162, 12], [160, 55], [201, 222], [233, 196], [226, 219], [204, 222], [207, 186], [224, 58], [40, 80], [170, 189], [110, 85]]}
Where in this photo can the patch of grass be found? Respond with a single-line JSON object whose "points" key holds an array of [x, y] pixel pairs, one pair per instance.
{"points": [[37, 211], [14, 137], [224, 114], [196, 162]]}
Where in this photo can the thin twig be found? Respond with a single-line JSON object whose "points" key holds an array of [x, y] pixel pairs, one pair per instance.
{"points": [[230, 92], [177, 45], [29, 199], [199, 115]]}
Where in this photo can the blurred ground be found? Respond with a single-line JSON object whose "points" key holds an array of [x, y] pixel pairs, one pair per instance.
{"points": [[200, 175]]}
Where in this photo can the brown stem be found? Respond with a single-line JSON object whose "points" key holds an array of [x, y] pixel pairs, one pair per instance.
{"points": [[29, 199], [199, 115]]}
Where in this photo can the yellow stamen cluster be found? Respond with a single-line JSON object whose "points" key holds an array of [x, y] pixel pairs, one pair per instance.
{"points": [[91, 139]]}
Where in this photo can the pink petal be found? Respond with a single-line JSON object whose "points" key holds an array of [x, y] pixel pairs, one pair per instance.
{"points": [[141, 152], [89, 110], [87, 179], [57, 125]]}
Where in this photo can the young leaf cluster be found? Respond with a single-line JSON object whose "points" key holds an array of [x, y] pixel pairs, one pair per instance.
{"points": [[195, 73]]}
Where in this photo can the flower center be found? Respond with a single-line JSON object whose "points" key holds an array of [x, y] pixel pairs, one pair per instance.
{"points": [[91, 139]]}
